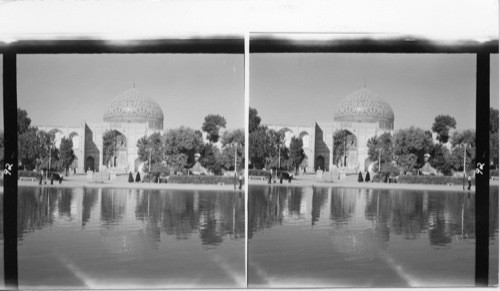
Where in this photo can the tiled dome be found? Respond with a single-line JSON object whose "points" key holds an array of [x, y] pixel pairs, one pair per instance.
{"points": [[133, 106], [365, 106]]}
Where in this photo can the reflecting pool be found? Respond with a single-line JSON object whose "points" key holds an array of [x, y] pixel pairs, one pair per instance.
{"points": [[130, 238], [320, 237]]}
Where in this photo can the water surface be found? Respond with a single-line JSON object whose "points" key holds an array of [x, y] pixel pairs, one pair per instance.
{"points": [[319, 237], [130, 238]]}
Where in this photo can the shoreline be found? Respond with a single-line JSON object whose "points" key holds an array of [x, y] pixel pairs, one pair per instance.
{"points": [[225, 187], [127, 185], [368, 185]]}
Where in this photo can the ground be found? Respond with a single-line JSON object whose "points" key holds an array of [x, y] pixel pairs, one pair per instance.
{"points": [[311, 180], [122, 182]]}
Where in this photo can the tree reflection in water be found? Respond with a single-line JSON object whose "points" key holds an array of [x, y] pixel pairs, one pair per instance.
{"points": [[36, 209], [131, 219], [366, 216]]}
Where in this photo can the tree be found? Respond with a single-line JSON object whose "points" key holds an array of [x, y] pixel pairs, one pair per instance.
{"points": [[229, 140], [234, 136], [211, 158], [493, 120], [254, 120], [387, 170], [181, 145], [212, 125], [381, 146], [152, 146], [228, 156], [23, 121], [342, 141], [178, 162], [159, 169], [277, 152], [29, 146], [410, 147], [459, 140], [297, 154], [494, 149], [113, 142], [440, 158], [66, 153], [258, 147], [442, 125]]}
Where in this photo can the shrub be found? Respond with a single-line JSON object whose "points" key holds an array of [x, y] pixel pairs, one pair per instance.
{"points": [[436, 180], [130, 178], [138, 177], [28, 174], [259, 173], [195, 179]]}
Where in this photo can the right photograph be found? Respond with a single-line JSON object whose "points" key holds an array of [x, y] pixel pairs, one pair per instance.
{"points": [[362, 170]]}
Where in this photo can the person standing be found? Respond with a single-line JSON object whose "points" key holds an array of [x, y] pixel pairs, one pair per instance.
{"points": [[240, 178], [469, 181]]}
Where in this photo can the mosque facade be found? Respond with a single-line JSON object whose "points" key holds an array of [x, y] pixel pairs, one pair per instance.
{"points": [[131, 114], [363, 114]]}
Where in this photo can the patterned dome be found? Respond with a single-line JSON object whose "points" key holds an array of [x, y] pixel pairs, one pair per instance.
{"points": [[133, 106], [365, 106]]}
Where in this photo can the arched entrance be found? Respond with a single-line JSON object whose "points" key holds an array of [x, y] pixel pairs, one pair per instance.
{"points": [[346, 150], [89, 164], [57, 136], [115, 149], [320, 163], [137, 164]]}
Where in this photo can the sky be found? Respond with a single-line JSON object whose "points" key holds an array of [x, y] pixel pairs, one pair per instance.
{"points": [[300, 88], [69, 89]]}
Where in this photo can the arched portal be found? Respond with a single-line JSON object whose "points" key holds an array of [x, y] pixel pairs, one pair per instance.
{"points": [[137, 164], [115, 149], [75, 139], [57, 136], [288, 134], [305, 139], [89, 164], [320, 163], [346, 149]]}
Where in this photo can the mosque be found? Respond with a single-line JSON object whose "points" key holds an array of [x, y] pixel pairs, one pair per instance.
{"points": [[132, 114], [363, 114]]}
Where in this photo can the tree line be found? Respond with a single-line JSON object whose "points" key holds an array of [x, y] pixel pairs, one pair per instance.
{"points": [[177, 150], [37, 147], [402, 152], [267, 147]]}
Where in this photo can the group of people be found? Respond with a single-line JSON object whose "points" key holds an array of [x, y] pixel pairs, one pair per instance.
{"points": [[279, 174], [361, 179], [53, 176]]}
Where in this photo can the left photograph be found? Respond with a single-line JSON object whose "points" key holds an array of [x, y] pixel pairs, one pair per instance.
{"points": [[131, 171]]}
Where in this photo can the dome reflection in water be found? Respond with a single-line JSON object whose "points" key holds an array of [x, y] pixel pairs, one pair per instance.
{"points": [[129, 238], [335, 237]]}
